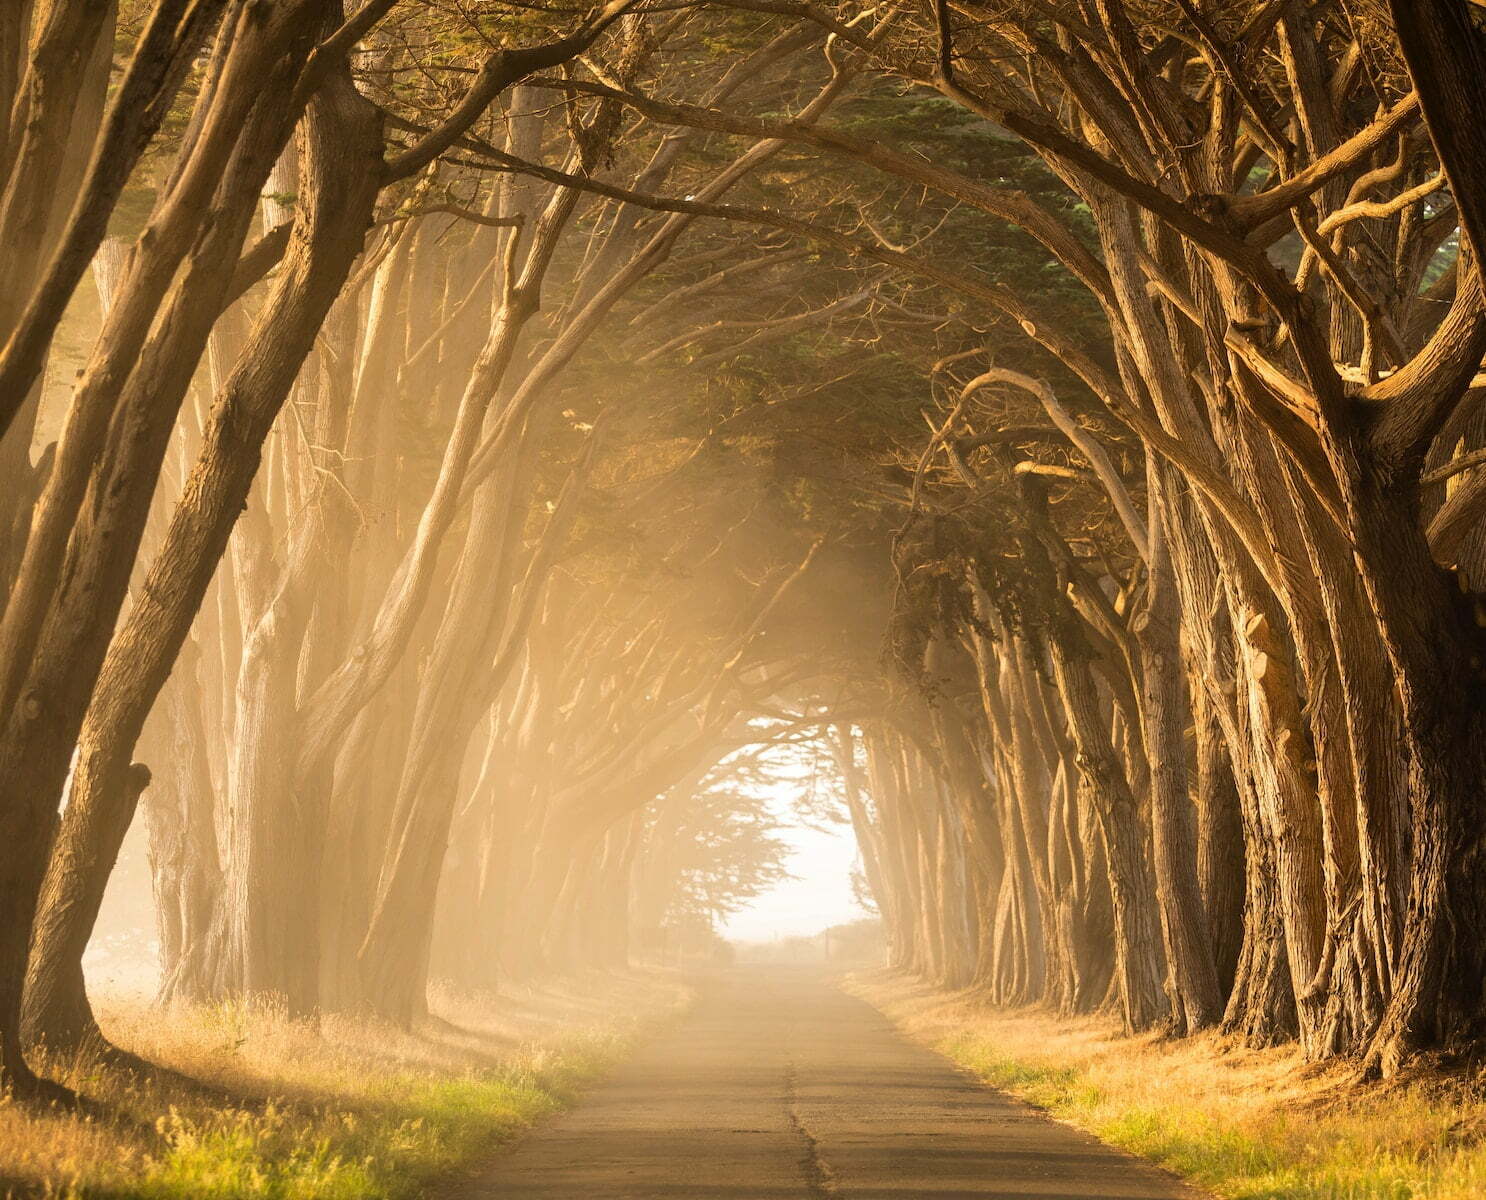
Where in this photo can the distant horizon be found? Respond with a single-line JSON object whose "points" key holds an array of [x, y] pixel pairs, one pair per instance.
{"points": [[778, 938], [818, 897]]}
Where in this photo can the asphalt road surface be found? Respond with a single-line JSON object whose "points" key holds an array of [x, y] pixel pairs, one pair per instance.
{"points": [[778, 1084]]}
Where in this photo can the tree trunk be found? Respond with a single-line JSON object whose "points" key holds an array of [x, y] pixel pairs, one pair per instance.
{"points": [[1197, 1002], [342, 155]]}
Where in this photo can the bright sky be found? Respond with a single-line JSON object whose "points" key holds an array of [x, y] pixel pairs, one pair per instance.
{"points": [[819, 896]]}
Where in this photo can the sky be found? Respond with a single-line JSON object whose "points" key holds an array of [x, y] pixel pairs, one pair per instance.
{"points": [[819, 896]]}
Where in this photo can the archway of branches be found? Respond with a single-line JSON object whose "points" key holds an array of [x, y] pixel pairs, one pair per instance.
{"points": [[459, 457]]}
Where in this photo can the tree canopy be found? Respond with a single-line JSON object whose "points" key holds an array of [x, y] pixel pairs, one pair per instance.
{"points": [[448, 448]]}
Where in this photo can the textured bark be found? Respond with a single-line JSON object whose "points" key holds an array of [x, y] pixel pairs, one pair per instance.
{"points": [[1132, 887], [1433, 641], [57, 1016], [1220, 843], [1196, 1000]]}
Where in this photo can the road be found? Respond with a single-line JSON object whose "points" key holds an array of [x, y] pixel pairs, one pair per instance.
{"points": [[779, 1084]]}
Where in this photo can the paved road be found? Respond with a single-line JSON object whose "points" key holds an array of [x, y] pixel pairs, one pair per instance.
{"points": [[778, 1084]]}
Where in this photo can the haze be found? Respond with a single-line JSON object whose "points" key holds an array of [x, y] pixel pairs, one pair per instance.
{"points": [[697, 597]]}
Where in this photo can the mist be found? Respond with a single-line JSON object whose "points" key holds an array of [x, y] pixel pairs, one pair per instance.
{"points": [[594, 556]]}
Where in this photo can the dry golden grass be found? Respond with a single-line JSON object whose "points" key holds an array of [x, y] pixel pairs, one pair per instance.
{"points": [[352, 1109], [1243, 1123]]}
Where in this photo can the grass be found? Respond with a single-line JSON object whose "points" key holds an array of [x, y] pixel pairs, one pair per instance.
{"points": [[1240, 1123], [350, 1110]]}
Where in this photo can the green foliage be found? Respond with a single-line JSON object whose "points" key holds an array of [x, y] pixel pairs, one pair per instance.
{"points": [[723, 848]]}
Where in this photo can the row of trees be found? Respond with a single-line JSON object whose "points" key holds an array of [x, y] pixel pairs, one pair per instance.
{"points": [[321, 565], [1195, 611], [495, 433], [1189, 567]]}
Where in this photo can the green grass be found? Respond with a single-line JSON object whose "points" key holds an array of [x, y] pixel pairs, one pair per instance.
{"points": [[398, 1137], [1244, 1124], [345, 1110]]}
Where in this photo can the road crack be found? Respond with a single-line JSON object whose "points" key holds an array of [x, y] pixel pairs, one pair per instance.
{"points": [[820, 1180]]}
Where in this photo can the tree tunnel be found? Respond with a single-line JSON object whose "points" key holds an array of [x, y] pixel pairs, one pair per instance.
{"points": [[454, 454]]}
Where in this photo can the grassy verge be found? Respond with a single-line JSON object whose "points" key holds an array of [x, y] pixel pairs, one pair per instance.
{"points": [[348, 1111], [1247, 1124]]}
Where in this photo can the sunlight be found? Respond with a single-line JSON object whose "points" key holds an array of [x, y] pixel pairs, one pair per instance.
{"points": [[818, 893], [648, 554]]}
